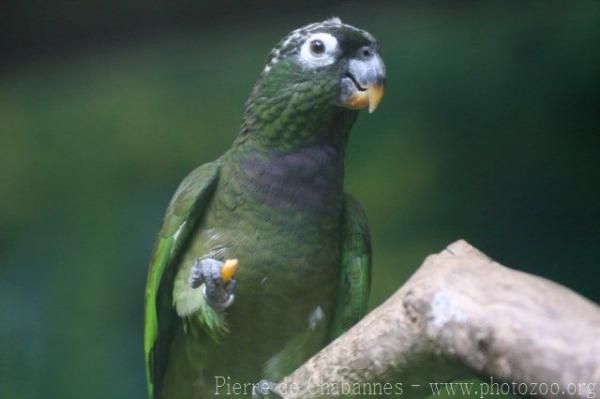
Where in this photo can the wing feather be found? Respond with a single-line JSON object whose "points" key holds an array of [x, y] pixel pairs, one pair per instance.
{"points": [[355, 278], [184, 212]]}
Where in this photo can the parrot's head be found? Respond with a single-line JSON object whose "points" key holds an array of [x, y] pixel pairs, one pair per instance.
{"points": [[321, 68]]}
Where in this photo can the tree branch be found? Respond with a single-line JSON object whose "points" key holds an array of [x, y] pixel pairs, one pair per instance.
{"points": [[463, 314]]}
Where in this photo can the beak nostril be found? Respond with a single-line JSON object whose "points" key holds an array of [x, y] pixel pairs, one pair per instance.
{"points": [[366, 52]]}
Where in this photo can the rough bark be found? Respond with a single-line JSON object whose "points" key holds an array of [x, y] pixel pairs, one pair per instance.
{"points": [[462, 314]]}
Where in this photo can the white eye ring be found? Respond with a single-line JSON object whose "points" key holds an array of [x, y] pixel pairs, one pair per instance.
{"points": [[319, 50]]}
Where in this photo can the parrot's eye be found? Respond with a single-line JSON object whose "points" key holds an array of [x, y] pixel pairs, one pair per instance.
{"points": [[319, 49]]}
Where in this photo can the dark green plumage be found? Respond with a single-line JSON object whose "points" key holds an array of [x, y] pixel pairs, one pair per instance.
{"points": [[274, 201]]}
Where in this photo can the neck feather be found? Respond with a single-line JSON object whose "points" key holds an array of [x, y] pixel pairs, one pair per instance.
{"points": [[291, 119], [297, 166]]}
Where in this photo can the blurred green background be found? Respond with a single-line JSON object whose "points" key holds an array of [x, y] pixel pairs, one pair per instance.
{"points": [[490, 131]]}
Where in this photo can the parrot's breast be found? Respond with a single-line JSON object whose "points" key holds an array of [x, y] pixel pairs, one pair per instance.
{"points": [[280, 216]]}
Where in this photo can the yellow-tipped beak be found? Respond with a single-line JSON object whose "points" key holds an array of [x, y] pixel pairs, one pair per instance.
{"points": [[362, 83], [228, 270], [367, 98], [374, 94]]}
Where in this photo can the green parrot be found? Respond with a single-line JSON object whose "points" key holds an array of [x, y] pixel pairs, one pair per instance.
{"points": [[262, 259]]}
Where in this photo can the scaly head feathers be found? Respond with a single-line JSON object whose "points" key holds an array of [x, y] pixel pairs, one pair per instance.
{"points": [[312, 78]]}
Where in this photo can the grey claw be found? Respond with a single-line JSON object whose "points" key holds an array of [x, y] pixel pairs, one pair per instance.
{"points": [[195, 280], [218, 298], [217, 294], [230, 287], [265, 389]]}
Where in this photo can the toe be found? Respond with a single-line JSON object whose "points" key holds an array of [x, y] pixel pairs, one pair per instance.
{"points": [[195, 279]]}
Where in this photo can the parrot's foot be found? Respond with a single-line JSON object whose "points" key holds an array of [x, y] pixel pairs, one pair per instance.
{"points": [[217, 277], [265, 390]]}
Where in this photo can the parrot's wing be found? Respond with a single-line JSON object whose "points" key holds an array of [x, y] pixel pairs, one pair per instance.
{"points": [[185, 210], [355, 279]]}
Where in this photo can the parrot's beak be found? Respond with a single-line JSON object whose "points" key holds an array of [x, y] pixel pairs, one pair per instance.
{"points": [[362, 85], [369, 97]]}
